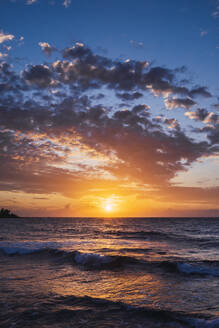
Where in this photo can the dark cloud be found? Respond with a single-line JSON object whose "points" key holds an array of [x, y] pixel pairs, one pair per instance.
{"points": [[129, 96], [172, 123], [39, 75], [200, 91], [213, 134], [141, 109], [216, 106], [130, 134], [82, 69], [98, 96], [48, 111], [179, 103], [144, 151], [11, 85], [199, 115], [91, 70]]}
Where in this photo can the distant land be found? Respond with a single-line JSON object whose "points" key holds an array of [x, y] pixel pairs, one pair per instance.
{"points": [[5, 213]]}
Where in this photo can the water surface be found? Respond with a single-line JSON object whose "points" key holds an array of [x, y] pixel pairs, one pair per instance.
{"points": [[109, 272]]}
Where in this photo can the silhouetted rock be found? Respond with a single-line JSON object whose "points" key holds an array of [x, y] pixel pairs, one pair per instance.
{"points": [[5, 213]]}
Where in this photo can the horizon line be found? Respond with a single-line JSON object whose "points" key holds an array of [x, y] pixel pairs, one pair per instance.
{"points": [[114, 217]]}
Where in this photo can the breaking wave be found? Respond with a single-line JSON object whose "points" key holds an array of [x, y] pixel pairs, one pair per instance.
{"points": [[100, 262]]}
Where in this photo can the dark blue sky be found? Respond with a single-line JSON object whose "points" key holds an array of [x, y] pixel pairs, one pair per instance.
{"points": [[169, 30]]}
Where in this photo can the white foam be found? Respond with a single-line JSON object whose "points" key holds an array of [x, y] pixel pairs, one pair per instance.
{"points": [[91, 259]]}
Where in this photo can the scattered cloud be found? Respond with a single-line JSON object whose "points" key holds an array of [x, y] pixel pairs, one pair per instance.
{"points": [[129, 96], [200, 114], [215, 14], [5, 37], [137, 44], [172, 123], [39, 75], [7, 48], [216, 106], [2, 55], [66, 3], [203, 33], [200, 91], [179, 103], [30, 2], [47, 48]]}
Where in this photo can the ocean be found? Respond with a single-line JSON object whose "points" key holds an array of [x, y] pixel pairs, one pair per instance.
{"points": [[87, 272]]}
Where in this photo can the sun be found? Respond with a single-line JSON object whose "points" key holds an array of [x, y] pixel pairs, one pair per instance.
{"points": [[108, 207]]}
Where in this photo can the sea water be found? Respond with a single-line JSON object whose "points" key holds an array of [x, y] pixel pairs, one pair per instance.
{"points": [[87, 272]]}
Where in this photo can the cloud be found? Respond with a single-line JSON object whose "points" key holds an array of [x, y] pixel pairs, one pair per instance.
{"points": [[216, 106], [95, 70], [136, 44], [212, 118], [179, 103], [201, 114], [47, 48], [30, 2], [5, 37], [55, 136], [200, 91], [213, 134], [191, 194], [3, 55], [172, 123], [7, 48], [203, 33], [44, 137], [39, 75], [129, 96], [215, 14], [66, 3]]}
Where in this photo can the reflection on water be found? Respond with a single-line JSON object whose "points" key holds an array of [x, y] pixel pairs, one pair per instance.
{"points": [[76, 267]]}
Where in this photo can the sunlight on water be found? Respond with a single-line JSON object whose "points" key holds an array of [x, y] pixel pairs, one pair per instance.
{"points": [[75, 264]]}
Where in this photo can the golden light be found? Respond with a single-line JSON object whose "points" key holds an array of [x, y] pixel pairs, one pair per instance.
{"points": [[108, 207]]}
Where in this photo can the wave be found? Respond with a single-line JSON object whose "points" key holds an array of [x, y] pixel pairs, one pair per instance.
{"points": [[141, 234], [191, 268], [188, 268], [81, 311], [87, 260], [118, 313], [163, 316], [11, 250], [207, 242], [97, 261]]}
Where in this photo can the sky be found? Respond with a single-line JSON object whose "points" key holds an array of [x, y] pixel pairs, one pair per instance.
{"points": [[109, 108]]}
